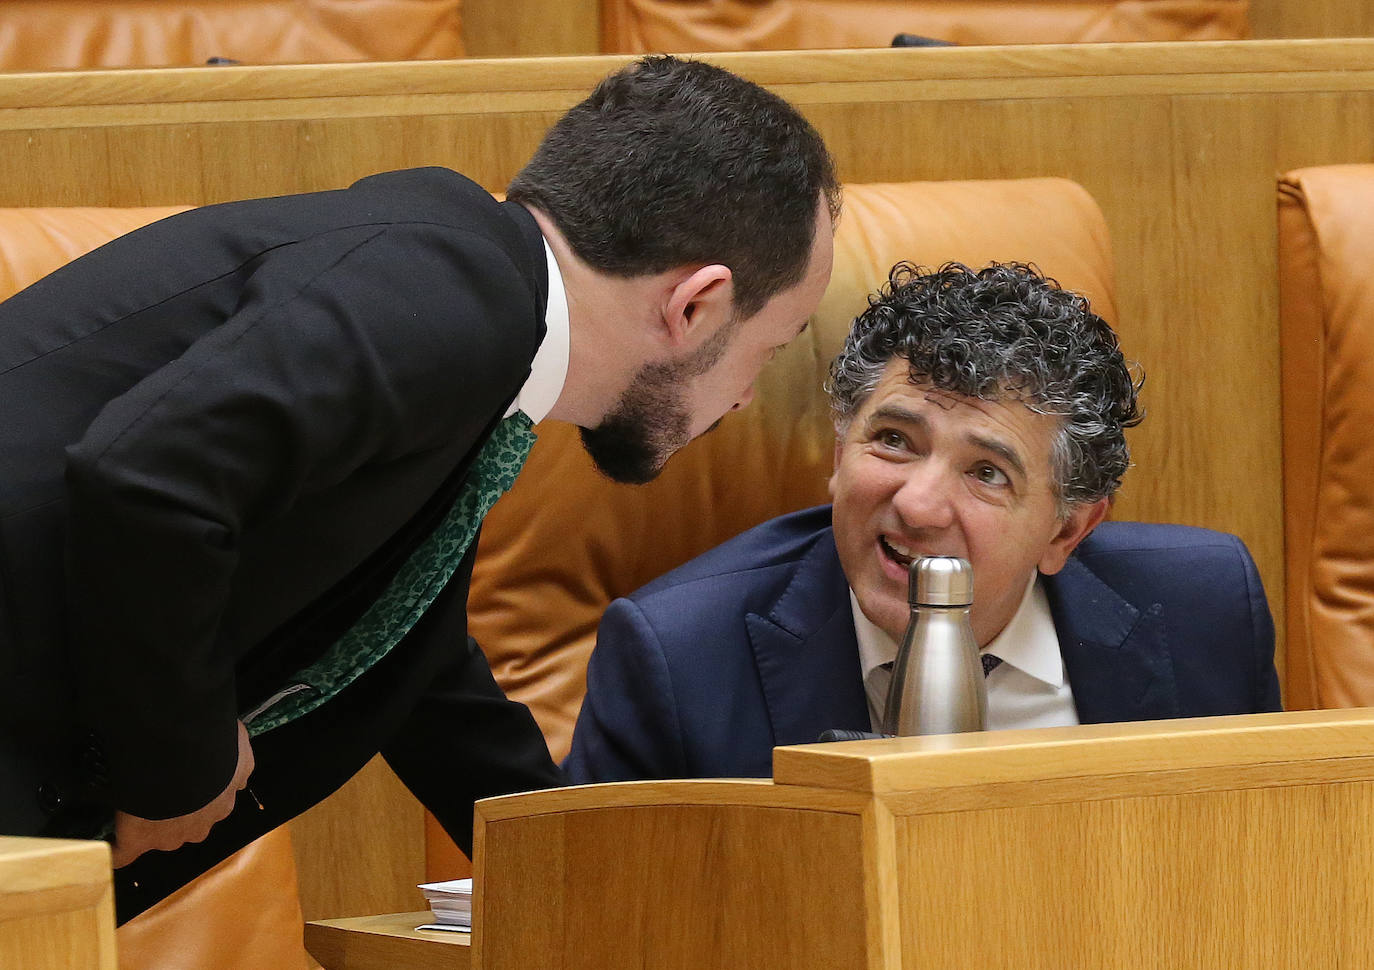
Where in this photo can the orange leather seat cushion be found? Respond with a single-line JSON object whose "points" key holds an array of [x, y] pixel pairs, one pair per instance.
{"points": [[244, 914], [564, 541], [634, 26], [34, 242], [1326, 222], [45, 35]]}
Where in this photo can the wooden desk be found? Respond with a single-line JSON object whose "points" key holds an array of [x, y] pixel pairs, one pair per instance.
{"points": [[388, 942], [1190, 844], [56, 905]]}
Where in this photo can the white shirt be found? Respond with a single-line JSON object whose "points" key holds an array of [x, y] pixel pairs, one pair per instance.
{"points": [[1027, 690], [549, 369]]}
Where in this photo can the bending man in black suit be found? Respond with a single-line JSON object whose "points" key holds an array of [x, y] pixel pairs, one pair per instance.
{"points": [[978, 415], [246, 451]]}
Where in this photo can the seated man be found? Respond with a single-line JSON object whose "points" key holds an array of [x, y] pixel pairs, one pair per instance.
{"points": [[978, 414]]}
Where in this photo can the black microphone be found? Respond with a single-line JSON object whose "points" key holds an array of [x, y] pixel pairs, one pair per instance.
{"points": [[916, 40], [845, 734]]}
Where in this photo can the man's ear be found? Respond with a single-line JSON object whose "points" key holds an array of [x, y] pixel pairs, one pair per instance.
{"points": [[704, 296], [1073, 529]]}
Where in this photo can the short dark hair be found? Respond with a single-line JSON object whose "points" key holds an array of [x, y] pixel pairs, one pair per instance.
{"points": [[671, 162], [1005, 331]]}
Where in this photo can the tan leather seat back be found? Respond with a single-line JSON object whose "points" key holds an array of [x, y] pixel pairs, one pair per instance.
{"points": [[1326, 223], [635, 26], [244, 914], [46, 35], [34, 242], [564, 542]]}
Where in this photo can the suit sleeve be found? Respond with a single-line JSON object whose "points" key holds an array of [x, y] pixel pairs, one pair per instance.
{"points": [[340, 355], [628, 728], [465, 741], [1262, 624]]}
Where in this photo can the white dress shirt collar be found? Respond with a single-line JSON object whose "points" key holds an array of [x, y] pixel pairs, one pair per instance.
{"points": [[549, 370], [1029, 641]]}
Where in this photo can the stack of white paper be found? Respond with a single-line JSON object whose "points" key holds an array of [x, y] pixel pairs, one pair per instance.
{"points": [[451, 904]]}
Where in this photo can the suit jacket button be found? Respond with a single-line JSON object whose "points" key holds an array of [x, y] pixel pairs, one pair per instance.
{"points": [[93, 761], [49, 797]]}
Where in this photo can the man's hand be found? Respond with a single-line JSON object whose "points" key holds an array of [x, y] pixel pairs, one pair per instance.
{"points": [[135, 836]]}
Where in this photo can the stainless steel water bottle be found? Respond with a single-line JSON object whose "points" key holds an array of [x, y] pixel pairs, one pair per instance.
{"points": [[937, 678]]}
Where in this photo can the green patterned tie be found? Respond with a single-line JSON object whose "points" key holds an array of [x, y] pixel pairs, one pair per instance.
{"points": [[414, 586]]}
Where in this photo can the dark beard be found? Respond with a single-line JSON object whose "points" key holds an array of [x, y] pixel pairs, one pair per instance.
{"points": [[650, 421], [633, 442]]}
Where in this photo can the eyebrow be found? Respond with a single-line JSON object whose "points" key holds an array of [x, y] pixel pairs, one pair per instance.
{"points": [[1002, 450], [805, 323], [895, 412]]}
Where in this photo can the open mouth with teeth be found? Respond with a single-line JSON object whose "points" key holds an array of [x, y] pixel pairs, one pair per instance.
{"points": [[899, 554]]}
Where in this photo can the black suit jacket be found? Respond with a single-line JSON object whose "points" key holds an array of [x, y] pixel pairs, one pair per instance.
{"points": [[223, 435], [702, 672]]}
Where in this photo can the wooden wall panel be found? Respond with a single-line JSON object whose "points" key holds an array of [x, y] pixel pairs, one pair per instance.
{"points": [[1311, 18], [1176, 881], [692, 886], [362, 850], [518, 28]]}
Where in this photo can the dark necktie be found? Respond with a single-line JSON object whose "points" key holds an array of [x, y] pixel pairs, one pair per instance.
{"points": [[990, 663], [414, 586], [881, 676]]}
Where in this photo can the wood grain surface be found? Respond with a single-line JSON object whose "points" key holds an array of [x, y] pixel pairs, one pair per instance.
{"points": [[56, 905], [1220, 842]]}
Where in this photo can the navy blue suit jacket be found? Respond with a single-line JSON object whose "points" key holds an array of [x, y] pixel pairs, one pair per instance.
{"points": [[703, 671]]}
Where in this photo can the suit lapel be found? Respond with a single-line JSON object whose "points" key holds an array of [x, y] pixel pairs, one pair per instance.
{"points": [[1117, 657], [807, 656]]}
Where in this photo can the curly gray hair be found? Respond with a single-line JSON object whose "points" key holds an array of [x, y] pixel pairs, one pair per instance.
{"points": [[1005, 331]]}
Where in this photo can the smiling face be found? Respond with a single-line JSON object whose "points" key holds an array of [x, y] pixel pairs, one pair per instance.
{"points": [[919, 471]]}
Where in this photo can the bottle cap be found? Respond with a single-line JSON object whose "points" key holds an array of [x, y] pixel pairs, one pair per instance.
{"points": [[940, 581]]}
